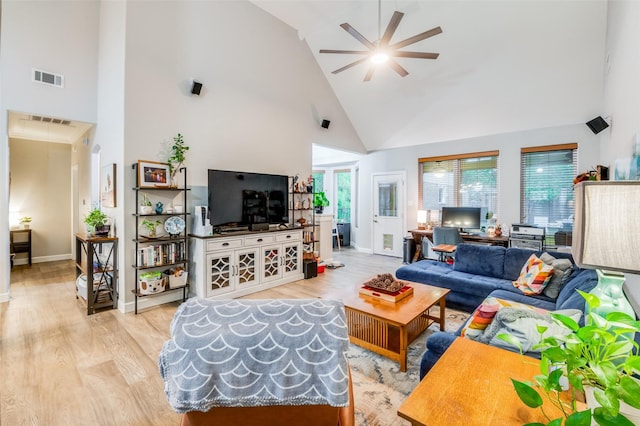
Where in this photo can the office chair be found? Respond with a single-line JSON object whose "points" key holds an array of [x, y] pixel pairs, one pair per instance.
{"points": [[334, 233], [446, 235]]}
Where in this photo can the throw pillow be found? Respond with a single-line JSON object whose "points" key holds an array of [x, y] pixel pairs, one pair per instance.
{"points": [[562, 269], [534, 276], [481, 317]]}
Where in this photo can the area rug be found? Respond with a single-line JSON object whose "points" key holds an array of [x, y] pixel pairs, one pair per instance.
{"points": [[378, 385]]}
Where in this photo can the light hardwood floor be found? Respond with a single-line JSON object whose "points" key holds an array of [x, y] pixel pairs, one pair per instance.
{"points": [[59, 366]]}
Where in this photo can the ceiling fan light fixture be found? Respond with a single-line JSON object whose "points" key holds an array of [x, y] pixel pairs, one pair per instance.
{"points": [[379, 57]]}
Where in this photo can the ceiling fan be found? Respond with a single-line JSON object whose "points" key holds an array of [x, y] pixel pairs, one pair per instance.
{"points": [[382, 51]]}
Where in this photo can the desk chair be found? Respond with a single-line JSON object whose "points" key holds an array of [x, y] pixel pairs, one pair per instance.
{"points": [[334, 233], [448, 236]]}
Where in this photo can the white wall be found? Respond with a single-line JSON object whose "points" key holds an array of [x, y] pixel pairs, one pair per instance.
{"points": [[259, 110], [58, 37], [508, 144], [622, 97]]}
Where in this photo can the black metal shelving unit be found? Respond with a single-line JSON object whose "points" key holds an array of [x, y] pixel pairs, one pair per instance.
{"points": [[168, 251]]}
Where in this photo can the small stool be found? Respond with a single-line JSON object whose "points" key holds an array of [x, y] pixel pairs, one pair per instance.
{"points": [[443, 250]]}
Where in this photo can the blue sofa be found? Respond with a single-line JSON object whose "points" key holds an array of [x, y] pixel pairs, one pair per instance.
{"points": [[481, 271]]}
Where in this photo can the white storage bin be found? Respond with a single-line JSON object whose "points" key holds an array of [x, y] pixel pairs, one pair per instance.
{"points": [[178, 279], [151, 283], [81, 283]]}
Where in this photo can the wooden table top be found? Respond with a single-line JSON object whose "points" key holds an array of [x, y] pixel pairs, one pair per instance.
{"points": [[401, 312], [471, 384]]}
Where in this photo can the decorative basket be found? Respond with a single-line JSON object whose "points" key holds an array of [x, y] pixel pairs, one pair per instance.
{"points": [[151, 283], [177, 278]]}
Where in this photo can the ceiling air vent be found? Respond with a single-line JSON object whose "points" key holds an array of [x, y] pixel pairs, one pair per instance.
{"points": [[45, 77], [50, 120]]}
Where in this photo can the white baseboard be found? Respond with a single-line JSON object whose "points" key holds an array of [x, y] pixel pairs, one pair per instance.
{"points": [[42, 259], [4, 297], [150, 301]]}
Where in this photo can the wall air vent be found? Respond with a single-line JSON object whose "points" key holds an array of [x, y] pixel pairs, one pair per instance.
{"points": [[46, 77], [50, 120]]}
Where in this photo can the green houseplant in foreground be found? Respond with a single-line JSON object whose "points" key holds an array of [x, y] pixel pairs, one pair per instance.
{"points": [[598, 354]]}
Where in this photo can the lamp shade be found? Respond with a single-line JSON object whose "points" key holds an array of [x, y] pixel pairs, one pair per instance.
{"points": [[606, 233], [422, 216]]}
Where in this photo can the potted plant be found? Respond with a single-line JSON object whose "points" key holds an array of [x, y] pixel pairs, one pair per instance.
{"points": [[150, 226], [145, 205], [320, 201], [25, 221], [598, 355], [177, 157], [96, 222]]}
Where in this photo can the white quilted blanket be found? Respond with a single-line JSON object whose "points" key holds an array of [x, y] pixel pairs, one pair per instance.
{"points": [[242, 353]]}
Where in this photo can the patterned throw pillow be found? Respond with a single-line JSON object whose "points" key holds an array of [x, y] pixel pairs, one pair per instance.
{"points": [[481, 317], [534, 276]]}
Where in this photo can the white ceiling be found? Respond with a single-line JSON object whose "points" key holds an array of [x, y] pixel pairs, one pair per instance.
{"points": [[504, 66]]}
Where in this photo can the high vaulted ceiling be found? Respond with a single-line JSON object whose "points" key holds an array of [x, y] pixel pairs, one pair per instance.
{"points": [[504, 66]]}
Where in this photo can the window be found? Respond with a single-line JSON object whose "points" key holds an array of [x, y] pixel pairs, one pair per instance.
{"points": [[318, 181], [342, 180], [469, 180], [546, 188]]}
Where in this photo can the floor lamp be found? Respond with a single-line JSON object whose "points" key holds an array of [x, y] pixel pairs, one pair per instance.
{"points": [[606, 237]]}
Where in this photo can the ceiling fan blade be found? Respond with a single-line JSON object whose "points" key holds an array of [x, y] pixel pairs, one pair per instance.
{"points": [[420, 55], [396, 66], [370, 71], [391, 28], [350, 52], [348, 28], [416, 38], [352, 64]]}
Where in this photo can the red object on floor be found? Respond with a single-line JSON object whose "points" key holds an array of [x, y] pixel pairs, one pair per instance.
{"points": [[449, 261], [320, 269]]}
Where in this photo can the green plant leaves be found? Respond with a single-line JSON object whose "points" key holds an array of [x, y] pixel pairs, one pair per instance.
{"points": [[527, 394]]}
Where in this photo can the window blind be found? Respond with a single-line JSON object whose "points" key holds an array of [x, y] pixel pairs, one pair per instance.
{"points": [[546, 188]]}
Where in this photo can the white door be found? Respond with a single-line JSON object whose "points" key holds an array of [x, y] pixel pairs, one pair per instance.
{"points": [[388, 213]]}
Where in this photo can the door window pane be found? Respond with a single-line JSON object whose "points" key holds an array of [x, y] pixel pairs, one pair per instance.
{"points": [[387, 201]]}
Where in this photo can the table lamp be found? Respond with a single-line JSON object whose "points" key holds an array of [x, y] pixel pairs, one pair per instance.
{"points": [[422, 219], [606, 237]]}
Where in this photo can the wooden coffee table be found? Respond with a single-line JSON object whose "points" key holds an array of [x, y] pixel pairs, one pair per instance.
{"points": [[387, 328]]}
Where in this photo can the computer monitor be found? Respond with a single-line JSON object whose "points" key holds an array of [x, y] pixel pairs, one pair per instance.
{"points": [[461, 217]]}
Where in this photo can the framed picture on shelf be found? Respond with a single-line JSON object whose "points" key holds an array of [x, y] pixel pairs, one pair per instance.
{"points": [[152, 174], [108, 185]]}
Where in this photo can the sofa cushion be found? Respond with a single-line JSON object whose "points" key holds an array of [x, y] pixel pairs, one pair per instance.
{"points": [[539, 301], [561, 272], [481, 317], [534, 276], [580, 279], [480, 260]]}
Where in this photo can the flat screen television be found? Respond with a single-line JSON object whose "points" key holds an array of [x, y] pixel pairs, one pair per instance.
{"points": [[240, 199], [461, 217]]}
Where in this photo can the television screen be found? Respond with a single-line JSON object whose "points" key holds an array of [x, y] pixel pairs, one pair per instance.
{"points": [[239, 199], [461, 217]]}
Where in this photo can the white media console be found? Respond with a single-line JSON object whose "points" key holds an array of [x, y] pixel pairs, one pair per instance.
{"points": [[235, 264]]}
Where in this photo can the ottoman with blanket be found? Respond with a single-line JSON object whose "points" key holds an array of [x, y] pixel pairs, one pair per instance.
{"points": [[257, 362]]}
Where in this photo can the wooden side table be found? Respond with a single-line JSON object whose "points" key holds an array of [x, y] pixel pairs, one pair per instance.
{"points": [[471, 384], [443, 250], [22, 244]]}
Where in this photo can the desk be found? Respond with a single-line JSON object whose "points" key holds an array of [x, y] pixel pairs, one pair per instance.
{"points": [[420, 234], [471, 385], [22, 244]]}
